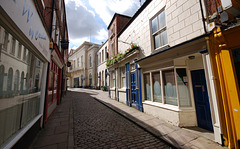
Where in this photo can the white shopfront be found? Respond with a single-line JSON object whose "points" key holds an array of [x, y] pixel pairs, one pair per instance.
{"points": [[24, 56]]}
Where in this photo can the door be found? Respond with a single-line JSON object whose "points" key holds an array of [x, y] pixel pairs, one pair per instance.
{"points": [[201, 100], [133, 89]]}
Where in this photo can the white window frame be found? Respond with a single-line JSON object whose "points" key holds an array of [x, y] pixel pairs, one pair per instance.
{"points": [[163, 104], [158, 32]]}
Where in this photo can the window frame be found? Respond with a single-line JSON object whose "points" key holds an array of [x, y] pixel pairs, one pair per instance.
{"points": [[163, 103], [159, 31]]}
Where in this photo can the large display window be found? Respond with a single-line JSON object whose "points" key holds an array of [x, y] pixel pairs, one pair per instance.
{"points": [[20, 85], [167, 86]]}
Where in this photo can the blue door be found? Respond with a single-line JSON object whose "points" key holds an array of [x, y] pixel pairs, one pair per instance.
{"points": [[133, 89], [201, 100]]}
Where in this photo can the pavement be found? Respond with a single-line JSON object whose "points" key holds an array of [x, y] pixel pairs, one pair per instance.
{"points": [[58, 132]]}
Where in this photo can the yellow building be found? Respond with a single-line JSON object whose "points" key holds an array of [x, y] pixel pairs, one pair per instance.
{"points": [[224, 48]]}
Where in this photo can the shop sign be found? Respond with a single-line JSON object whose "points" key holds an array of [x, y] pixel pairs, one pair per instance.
{"points": [[25, 16]]}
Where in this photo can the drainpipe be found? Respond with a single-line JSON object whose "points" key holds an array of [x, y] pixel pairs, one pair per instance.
{"points": [[203, 19]]}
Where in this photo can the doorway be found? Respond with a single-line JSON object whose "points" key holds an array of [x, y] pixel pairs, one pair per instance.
{"points": [[201, 98]]}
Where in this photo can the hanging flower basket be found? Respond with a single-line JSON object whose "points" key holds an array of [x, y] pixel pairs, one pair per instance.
{"points": [[120, 56]]}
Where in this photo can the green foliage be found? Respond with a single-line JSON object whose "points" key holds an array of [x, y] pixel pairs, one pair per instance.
{"points": [[120, 56]]}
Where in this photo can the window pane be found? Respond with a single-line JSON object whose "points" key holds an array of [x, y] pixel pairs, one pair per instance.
{"points": [[50, 87], [156, 41], [19, 94], [170, 93], [157, 94], [154, 25], [147, 87], [183, 90], [161, 19], [164, 39]]}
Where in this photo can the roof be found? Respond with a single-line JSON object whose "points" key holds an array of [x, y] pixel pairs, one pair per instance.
{"points": [[134, 16], [114, 18]]}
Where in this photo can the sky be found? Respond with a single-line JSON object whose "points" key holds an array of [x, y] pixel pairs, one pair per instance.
{"points": [[88, 20]]}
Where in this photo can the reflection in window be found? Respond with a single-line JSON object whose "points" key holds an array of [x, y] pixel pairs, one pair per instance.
{"points": [[50, 88], [169, 84], [19, 101], [16, 82], [147, 87], [10, 78], [13, 46], [157, 94], [5, 42], [1, 78]]}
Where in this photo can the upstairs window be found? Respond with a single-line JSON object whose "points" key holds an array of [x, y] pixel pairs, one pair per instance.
{"points": [[159, 31]]}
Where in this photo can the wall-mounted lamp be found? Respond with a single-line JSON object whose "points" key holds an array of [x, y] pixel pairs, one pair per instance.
{"points": [[50, 45]]}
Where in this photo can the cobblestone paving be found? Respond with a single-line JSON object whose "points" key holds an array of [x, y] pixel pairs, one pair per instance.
{"points": [[96, 126]]}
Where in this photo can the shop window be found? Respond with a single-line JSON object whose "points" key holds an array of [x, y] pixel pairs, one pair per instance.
{"points": [[147, 87], [166, 92], [13, 45], [169, 87], [157, 93], [16, 87], [55, 86], [183, 88], [5, 42], [123, 77], [50, 88], [236, 59], [159, 31]]}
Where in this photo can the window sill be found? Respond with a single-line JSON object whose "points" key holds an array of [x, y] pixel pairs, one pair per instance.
{"points": [[164, 106], [122, 89], [162, 48], [112, 89]]}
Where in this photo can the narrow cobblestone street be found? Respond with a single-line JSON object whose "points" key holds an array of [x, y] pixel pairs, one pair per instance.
{"points": [[97, 126]]}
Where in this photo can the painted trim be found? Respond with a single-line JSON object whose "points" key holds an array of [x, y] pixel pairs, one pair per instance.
{"points": [[21, 133], [140, 90]]}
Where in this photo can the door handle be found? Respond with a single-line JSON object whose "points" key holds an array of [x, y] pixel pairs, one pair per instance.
{"points": [[203, 88]]}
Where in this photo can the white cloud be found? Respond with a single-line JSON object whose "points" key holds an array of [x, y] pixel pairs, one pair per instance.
{"points": [[75, 43], [106, 8], [102, 34]]}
